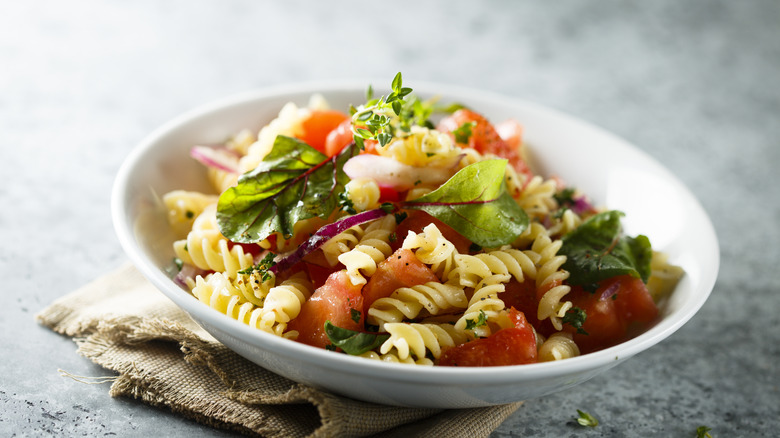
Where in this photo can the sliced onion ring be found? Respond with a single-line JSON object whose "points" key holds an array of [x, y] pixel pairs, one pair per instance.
{"points": [[218, 157], [390, 173]]}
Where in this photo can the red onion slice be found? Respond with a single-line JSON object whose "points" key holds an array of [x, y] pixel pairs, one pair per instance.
{"points": [[610, 291], [218, 157], [323, 235]]}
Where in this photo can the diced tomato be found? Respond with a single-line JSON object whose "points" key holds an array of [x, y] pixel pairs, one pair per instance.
{"points": [[337, 301], [511, 131], [635, 304], [388, 194], [510, 346], [318, 126], [416, 220], [524, 297], [484, 138], [338, 138], [369, 147], [614, 319], [318, 268], [319, 274], [249, 248], [401, 269]]}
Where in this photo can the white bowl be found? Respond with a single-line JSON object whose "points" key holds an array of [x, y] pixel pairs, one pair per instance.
{"points": [[614, 173]]}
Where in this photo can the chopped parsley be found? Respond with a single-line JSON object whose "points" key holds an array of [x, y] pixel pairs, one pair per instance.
{"points": [[481, 320], [575, 317], [463, 132], [703, 432], [262, 267], [179, 263], [346, 204], [565, 197], [355, 315]]}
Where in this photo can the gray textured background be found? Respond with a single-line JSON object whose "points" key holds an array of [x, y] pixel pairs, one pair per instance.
{"points": [[696, 84]]}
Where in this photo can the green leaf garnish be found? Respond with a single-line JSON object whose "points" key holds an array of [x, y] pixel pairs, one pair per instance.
{"points": [[587, 420], [476, 204], [703, 432], [565, 196], [353, 342], [575, 317], [596, 251], [346, 204], [463, 132], [262, 267], [481, 320], [293, 182], [354, 314]]}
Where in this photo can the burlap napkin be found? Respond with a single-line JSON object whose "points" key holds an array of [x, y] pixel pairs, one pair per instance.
{"points": [[162, 357]]}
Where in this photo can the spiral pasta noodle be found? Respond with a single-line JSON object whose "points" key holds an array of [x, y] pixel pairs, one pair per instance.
{"points": [[416, 340], [433, 249], [374, 247], [206, 248], [558, 346], [184, 206], [507, 263], [409, 302], [663, 276], [550, 276], [537, 198], [219, 293], [341, 243], [282, 304], [484, 304], [364, 193], [421, 147], [220, 179], [566, 223]]}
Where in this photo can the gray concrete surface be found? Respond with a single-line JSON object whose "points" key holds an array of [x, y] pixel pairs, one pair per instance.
{"points": [[696, 84]]}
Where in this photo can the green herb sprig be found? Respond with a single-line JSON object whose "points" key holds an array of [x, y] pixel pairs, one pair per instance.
{"points": [[373, 120]]}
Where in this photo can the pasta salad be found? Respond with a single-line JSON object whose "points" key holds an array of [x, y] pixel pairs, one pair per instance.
{"points": [[407, 230]]}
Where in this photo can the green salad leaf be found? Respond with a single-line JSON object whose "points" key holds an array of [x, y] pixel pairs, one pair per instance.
{"points": [[293, 182], [476, 204], [597, 250], [353, 342]]}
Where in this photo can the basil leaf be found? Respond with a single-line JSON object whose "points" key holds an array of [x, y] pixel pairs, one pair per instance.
{"points": [[475, 203], [353, 342], [293, 182], [596, 251]]}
